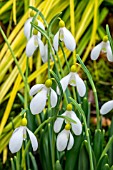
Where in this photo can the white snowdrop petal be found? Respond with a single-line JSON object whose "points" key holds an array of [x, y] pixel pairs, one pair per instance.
{"points": [[31, 46], [45, 57], [35, 89], [69, 40], [71, 142], [27, 28], [40, 24], [16, 140], [58, 124], [53, 98], [72, 80], [81, 88], [76, 128], [107, 107], [56, 41], [38, 102], [62, 140], [64, 83], [33, 139], [109, 52], [41, 48], [96, 51]]}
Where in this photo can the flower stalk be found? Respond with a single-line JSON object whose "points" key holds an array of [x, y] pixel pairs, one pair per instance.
{"points": [[93, 88], [86, 131]]}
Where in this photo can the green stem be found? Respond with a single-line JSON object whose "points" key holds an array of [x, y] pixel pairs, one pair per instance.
{"points": [[86, 131], [106, 148], [93, 88], [64, 56], [68, 67], [62, 73], [26, 83], [109, 37]]}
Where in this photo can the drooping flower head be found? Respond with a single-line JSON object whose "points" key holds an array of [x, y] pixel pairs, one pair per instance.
{"points": [[27, 26], [103, 46], [41, 92], [73, 79], [33, 43], [106, 107], [19, 135], [35, 40], [65, 138], [64, 35]]}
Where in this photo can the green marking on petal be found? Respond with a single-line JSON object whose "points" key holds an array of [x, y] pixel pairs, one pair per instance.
{"points": [[35, 42], [72, 82]]}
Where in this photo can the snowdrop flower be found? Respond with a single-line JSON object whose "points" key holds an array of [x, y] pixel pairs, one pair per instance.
{"points": [[45, 56], [107, 107], [33, 43], [19, 135], [64, 35], [39, 100], [103, 46], [27, 26], [74, 80], [65, 138]]}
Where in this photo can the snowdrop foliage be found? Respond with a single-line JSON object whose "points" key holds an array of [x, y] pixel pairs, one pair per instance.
{"points": [[64, 35], [107, 107], [73, 79], [65, 138], [41, 92], [103, 46], [19, 135]]}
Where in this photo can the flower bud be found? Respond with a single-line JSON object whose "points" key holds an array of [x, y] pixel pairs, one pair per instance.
{"points": [[73, 68], [24, 122], [61, 23], [67, 126], [105, 39], [69, 107], [32, 14], [35, 32], [48, 83]]}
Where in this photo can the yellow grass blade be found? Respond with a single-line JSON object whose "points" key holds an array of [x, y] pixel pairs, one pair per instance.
{"points": [[72, 21], [7, 84], [5, 7], [11, 100], [14, 11]]}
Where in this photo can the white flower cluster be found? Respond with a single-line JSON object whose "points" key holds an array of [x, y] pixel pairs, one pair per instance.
{"points": [[40, 92], [35, 41], [65, 137]]}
